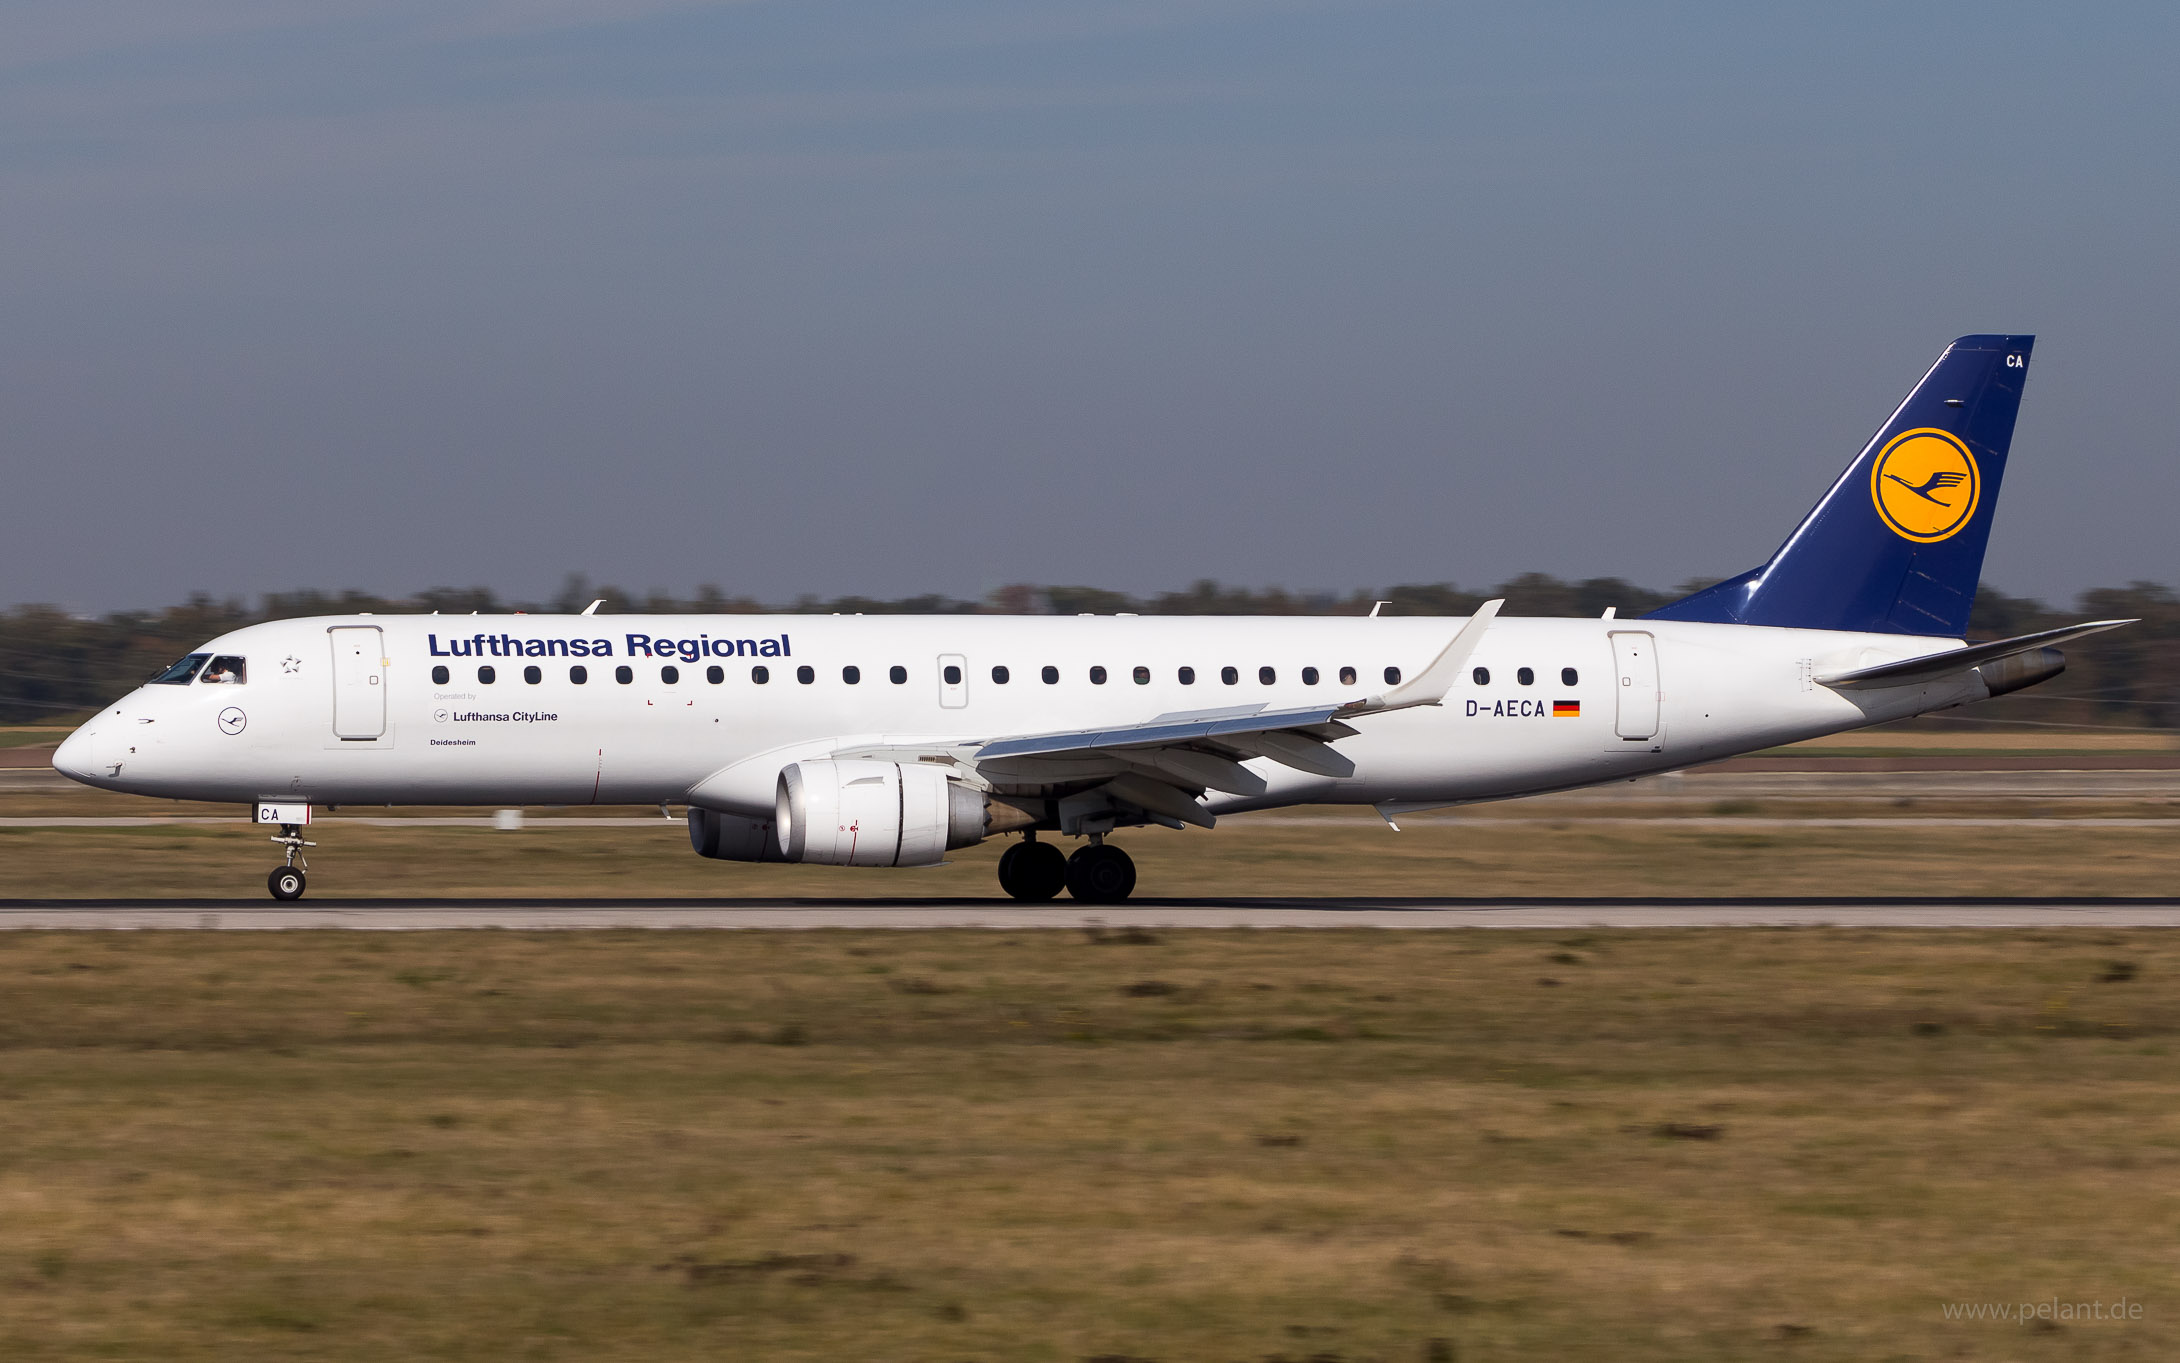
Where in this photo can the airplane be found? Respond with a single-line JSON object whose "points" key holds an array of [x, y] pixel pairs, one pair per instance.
{"points": [[891, 741]]}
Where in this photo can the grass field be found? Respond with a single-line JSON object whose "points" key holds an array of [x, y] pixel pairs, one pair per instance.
{"points": [[948, 1146], [1330, 854], [32, 735]]}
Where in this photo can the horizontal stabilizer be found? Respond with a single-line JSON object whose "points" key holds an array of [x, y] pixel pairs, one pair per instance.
{"points": [[1932, 666]]}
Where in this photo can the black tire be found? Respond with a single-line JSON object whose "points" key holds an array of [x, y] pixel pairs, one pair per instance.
{"points": [[1102, 874], [285, 882], [1032, 871]]}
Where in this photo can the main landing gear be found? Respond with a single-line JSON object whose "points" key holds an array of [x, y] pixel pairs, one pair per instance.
{"points": [[286, 882], [1035, 871]]}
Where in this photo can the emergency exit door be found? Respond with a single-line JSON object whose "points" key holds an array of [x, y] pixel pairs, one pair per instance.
{"points": [[359, 682], [1635, 668]]}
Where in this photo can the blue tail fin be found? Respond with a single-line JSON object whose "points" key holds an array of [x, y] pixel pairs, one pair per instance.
{"points": [[1897, 544]]}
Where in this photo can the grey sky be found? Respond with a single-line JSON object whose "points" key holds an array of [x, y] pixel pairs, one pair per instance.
{"points": [[891, 298]]}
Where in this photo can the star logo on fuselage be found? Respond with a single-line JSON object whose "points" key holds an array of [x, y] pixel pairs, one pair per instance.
{"points": [[291, 664]]}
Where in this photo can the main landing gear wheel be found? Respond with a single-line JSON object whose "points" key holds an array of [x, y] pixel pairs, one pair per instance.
{"points": [[1100, 874], [1033, 871]]}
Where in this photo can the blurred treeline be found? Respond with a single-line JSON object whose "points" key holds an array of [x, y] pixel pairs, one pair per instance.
{"points": [[54, 666]]}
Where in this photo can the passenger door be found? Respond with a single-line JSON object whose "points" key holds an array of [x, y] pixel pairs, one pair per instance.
{"points": [[359, 682], [1635, 669]]}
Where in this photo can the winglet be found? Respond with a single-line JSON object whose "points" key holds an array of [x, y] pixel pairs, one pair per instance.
{"points": [[1429, 687]]}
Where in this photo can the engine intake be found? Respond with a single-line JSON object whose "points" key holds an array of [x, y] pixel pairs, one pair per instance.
{"points": [[863, 812]]}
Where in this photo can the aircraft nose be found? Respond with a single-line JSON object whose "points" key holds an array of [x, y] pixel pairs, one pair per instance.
{"points": [[77, 756]]}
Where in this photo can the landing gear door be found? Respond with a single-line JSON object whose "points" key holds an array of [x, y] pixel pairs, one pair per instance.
{"points": [[1635, 685], [359, 682], [953, 681]]}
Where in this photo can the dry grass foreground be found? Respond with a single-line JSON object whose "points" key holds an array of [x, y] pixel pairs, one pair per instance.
{"points": [[1468, 1145], [1346, 854]]}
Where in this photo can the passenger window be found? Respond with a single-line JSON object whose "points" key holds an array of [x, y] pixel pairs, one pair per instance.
{"points": [[1481, 676], [897, 674], [715, 674], [1142, 676], [1526, 676], [227, 671], [1266, 676], [579, 674], [999, 676], [1568, 677], [1052, 676], [1188, 676], [760, 675], [1392, 676], [670, 675], [533, 674], [1347, 676], [952, 675], [851, 674], [1097, 676], [624, 674], [183, 672], [488, 674], [806, 674], [439, 675], [1309, 676], [1229, 675]]}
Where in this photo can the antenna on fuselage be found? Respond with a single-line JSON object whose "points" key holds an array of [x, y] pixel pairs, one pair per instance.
{"points": [[592, 608], [1377, 606]]}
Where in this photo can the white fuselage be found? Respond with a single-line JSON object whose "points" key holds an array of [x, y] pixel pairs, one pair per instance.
{"points": [[395, 735]]}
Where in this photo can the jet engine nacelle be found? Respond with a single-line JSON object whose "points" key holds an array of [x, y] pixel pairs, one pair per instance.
{"points": [[2021, 670], [730, 837], [863, 812]]}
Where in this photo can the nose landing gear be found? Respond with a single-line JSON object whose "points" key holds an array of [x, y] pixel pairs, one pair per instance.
{"points": [[286, 882]]}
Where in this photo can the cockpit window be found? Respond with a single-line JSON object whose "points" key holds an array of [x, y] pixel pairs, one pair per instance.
{"points": [[228, 670], [182, 673]]}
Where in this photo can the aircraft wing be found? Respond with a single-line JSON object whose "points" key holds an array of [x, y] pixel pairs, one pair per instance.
{"points": [[1163, 764], [1316, 723], [1933, 666]]}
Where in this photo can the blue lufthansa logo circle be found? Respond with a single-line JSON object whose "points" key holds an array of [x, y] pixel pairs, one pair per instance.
{"points": [[233, 721]]}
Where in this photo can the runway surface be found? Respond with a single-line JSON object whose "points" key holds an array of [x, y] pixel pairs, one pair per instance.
{"points": [[531, 914]]}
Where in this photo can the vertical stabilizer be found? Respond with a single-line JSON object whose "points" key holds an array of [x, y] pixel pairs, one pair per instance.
{"points": [[1897, 545]]}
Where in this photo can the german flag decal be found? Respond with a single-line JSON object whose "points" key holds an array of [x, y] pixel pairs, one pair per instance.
{"points": [[1566, 709]]}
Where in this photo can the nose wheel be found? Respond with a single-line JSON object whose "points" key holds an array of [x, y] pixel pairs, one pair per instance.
{"points": [[287, 881]]}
